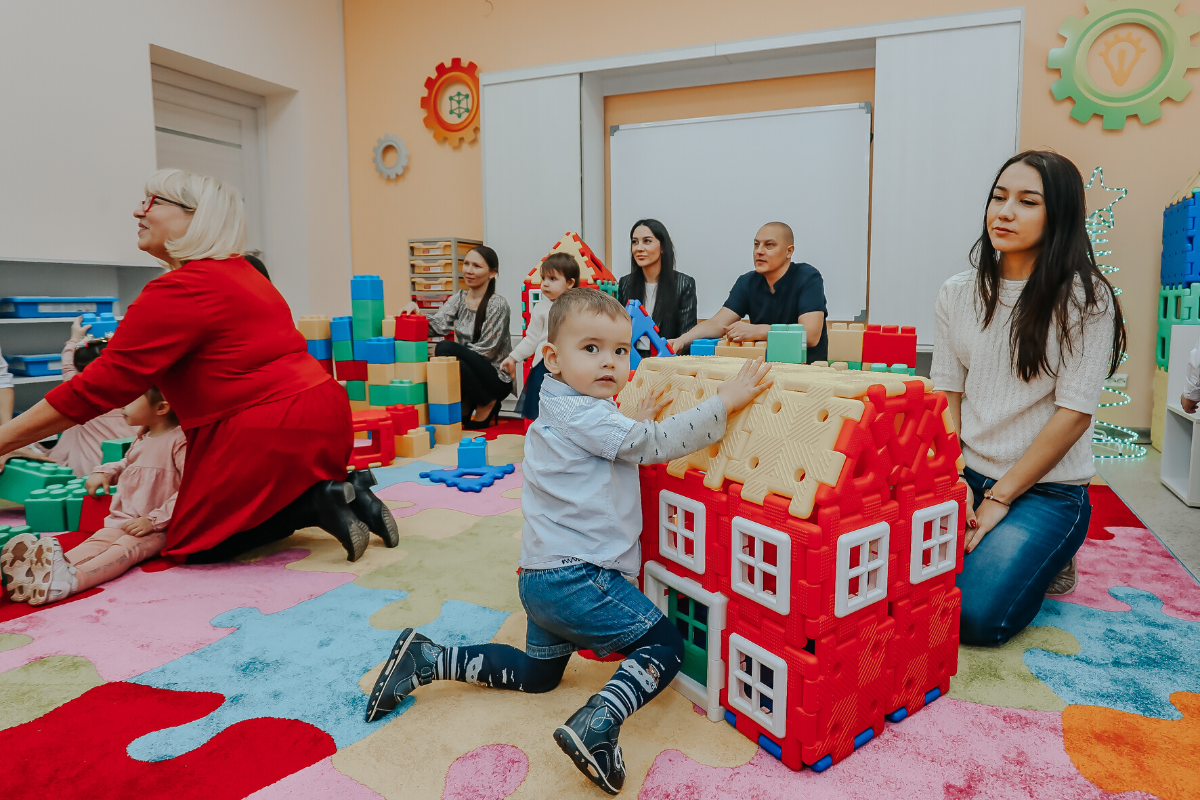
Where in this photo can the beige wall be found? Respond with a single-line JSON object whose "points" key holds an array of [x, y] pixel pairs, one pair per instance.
{"points": [[392, 46]]}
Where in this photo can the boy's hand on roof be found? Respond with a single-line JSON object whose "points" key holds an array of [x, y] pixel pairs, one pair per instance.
{"points": [[652, 405], [751, 381]]}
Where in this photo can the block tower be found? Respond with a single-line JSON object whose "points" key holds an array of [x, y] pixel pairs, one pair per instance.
{"points": [[1178, 296], [316, 331]]}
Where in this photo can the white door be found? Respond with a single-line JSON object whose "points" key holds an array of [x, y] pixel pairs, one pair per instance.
{"points": [[210, 129]]}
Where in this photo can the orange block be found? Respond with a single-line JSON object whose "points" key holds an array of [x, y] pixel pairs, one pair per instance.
{"points": [[1123, 752], [413, 444]]}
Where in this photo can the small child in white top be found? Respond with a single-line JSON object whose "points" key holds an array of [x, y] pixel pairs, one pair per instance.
{"points": [[581, 504], [560, 272], [1190, 398]]}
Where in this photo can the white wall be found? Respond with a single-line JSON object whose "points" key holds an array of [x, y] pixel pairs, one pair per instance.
{"points": [[77, 116]]}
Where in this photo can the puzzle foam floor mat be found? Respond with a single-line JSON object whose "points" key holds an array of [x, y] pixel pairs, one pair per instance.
{"points": [[249, 679]]}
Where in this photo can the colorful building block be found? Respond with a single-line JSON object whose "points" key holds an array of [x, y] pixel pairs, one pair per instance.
{"points": [[320, 349], [327, 365], [21, 477], [415, 372], [343, 350], [114, 449], [411, 352], [94, 509], [473, 479], [352, 371], [432, 434], [787, 344], [406, 393], [381, 374], [46, 509], [447, 434], [643, 325], [445, 413], [422, 413], [341, 329], [366, 287], [75, 507], [315, 327], [890, 344], [404, 418], [366, 318], [381, 451], [103, 324], [1177, 305], [472, 452], [413, 444], [611, 288], [704, 347], [1180, 259], [412, 327], [376, 350], [445, 383], [741, 349], [356, 390], [846, 341]]}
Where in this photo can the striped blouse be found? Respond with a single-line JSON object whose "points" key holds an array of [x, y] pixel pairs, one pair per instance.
{"points": [[494, 341]]}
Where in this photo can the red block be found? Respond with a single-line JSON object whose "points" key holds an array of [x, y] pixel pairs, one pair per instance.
{"points": [[404, 418], [412, 328], [351, 370], [381, 450], [95, 509], [327, 363], [890, 344]]}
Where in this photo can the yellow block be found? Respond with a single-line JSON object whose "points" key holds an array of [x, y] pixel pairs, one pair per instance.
{"points": [[413, 444], [845, 341], [448, 434], [381, 374], [415, 372], [741, 349], [314, 327], [1158, 416]]}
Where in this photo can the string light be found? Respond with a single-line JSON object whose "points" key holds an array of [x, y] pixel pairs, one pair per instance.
{"points": [[1108, 439]]}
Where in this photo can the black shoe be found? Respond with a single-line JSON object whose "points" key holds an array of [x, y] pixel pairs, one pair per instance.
{"points": [[493, 417], [331, 503], [410, 665], [371, 510], [589, 737]]}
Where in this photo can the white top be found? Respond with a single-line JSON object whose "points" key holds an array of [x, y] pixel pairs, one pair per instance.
{"points": [[6, 378], [1001, 414], [651, 293], [1191, 384], [535, 334], [582, 499]]}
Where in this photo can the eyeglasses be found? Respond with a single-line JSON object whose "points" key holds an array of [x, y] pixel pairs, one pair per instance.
{"points": [[149, 202]]}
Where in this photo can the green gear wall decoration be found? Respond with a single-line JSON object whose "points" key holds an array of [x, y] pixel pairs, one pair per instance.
{"points": [[382, 144], [1178, 56]]}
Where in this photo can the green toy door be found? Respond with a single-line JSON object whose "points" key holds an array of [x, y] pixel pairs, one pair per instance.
{"points": [[691, 619]]}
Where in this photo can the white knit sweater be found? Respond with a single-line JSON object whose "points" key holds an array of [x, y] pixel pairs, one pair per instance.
{"points": [[1001, 414]]}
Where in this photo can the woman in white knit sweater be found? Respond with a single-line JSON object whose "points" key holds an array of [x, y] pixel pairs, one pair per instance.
{"points": [[1022, 347]]}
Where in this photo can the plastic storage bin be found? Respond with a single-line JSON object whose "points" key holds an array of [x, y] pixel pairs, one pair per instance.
{"points": [[35, 366], [36, 307], [443, 267]]}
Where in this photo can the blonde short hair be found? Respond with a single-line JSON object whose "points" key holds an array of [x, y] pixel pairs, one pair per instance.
{"points": [[218, 228]]}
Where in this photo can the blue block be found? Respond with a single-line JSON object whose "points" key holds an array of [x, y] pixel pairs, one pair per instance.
{"points": [[731, 717], [897, 715], [103, 324], [704, 347], [1180, 258], [366, 287], [340, 329], [432, 439], [824, 763], [445, 413], [469, 480], [643, 325], [472, 452], [864, 737], [320, 349], [769, 746], [932, 694], [376, 350]]}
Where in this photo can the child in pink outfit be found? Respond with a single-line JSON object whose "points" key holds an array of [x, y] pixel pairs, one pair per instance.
{"points": [[136, 527]]}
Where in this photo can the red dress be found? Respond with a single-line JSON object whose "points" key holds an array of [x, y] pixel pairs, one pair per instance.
{"points": [[264, 421]]}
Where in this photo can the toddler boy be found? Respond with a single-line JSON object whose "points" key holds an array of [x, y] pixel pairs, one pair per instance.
{"points": [[582, 509]]}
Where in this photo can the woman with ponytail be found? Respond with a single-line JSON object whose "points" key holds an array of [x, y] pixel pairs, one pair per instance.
{"points": [[479, 318]]}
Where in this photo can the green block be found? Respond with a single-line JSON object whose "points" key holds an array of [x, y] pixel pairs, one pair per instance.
{"points": [[902, 369], [407, 393], [608, 287], [854, 365], [1162, 345], [787, 344], [75, 508], [366, 318], [114, 449], [378, 395], [343, 351], [21, 476], [879, 368], [357, 390], [411, 352], [46, 509]]}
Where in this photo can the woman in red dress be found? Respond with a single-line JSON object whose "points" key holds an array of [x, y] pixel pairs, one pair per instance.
{"points": [[268, 430]]}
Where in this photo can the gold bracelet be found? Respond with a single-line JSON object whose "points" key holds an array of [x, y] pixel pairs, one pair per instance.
{"points": [[989, 496]]}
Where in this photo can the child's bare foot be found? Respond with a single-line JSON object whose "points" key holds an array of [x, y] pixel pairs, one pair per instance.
{"points": [[53, 575], [14, 565], [412, 663], [589, 737]]}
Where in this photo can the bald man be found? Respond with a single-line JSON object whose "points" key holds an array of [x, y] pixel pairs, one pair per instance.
{"points": [[776, 292]]}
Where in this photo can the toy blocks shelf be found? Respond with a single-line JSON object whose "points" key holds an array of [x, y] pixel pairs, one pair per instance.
{"points": [[435, 271]]}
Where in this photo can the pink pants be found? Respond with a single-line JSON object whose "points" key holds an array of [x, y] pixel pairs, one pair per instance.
{"points": [[109, 553]]}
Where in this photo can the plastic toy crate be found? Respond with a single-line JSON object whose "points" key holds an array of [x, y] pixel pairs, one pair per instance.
{"points": [[1180, 259], [425, 267], [35, 366], [445, 284], [433, 247], [40, 307], [430, 301]]}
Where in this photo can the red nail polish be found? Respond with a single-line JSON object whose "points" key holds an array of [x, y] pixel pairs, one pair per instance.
{"points": [[973, 524]]}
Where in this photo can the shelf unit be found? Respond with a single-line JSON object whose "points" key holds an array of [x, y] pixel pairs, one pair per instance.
{"points": [[27, 276], [436, 260]]}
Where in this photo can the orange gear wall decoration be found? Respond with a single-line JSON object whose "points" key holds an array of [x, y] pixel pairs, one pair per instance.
{"points": [[463, 112]]}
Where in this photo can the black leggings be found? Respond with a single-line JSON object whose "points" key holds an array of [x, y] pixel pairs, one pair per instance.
{"points": [[480, 383], [300, 513]]}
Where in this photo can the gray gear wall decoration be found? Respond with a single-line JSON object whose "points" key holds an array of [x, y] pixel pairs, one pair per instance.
{"points": [[394, 171]]}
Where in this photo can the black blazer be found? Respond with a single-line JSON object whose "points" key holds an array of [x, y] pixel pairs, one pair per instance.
{"points": [[684, 300]]}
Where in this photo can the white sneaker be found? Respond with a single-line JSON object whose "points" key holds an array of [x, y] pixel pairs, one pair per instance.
{"points": [[53, 576], [15, 562]]}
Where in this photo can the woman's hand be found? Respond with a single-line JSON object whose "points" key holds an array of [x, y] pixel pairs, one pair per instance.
{"points": [[750, 382], [652, 405], [411, 308], [78, 329], [95, 481], [139, 527], [1188, 405], [509, 365], [987, 517]]}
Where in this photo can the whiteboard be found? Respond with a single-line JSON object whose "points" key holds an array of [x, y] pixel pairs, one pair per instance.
{"points": [[714, 181]]}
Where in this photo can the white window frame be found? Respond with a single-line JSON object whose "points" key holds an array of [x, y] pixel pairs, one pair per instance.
{"points": [[871, 571], [781, 601], [944, 543], [658, 581], [774, 723], [694, 562]]}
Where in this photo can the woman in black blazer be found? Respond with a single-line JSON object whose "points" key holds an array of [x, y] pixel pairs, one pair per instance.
{"points": [[652, 274]]}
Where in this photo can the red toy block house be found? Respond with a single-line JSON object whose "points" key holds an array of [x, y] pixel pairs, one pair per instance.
{"points": [[809, 557], [591, 270]]}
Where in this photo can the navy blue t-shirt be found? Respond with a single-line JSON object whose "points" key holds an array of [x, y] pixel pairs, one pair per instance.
{"points": [[800, 291]]}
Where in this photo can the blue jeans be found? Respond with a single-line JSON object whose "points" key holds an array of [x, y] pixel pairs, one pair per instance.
{"points": [[1005, 578], [582, 607]]}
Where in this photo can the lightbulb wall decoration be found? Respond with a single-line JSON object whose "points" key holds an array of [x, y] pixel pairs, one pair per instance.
{"points": [[1109, 440]]}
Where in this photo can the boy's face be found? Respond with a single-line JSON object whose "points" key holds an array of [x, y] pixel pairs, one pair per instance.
{"points": [[554, 284], [591, 354]]}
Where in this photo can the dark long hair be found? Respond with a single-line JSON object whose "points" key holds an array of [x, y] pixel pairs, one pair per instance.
{"points": [[493, 262], [666, 306], [1049, 295]]}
